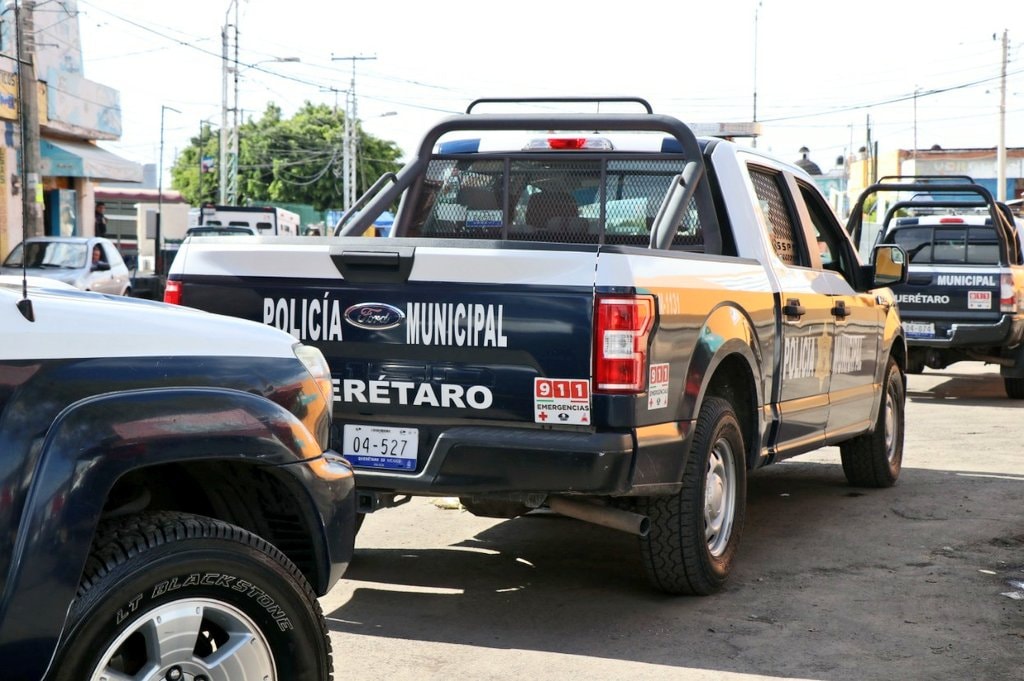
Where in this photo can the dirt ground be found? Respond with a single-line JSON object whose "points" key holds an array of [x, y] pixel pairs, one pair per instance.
{"points": [[921, 581]]}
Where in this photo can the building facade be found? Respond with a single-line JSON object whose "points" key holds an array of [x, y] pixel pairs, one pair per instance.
{"points": [[978, 164], [74, 113]]}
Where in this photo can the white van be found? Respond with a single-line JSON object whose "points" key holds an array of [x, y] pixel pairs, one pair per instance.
{"points": [[266, 220]]}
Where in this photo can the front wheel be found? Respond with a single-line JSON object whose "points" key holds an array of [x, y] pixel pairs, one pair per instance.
{"points": [[694, 534], [875, 459], [178, 596]]}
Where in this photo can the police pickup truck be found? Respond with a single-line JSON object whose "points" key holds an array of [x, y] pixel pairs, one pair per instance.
{"points": [[597, 314], [964, 298]]}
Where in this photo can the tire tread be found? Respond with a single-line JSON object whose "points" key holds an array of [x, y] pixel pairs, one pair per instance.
{"points": [[120, 540]]}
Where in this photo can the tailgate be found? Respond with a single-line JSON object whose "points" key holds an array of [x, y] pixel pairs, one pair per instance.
{"points": [[935, 298], [414, 331]]}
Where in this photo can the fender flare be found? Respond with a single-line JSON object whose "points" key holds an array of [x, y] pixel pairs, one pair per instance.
{"points": [[728, 331], [85, 452]]}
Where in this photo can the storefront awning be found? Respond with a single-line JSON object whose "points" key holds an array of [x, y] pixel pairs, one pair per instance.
{"points": [[61, 158]]}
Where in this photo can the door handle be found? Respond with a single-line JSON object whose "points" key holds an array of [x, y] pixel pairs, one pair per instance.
{"points": [[839, 310], [793, 308]]}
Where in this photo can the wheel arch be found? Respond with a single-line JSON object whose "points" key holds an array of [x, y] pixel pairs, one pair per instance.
{"points": [[727, 363], [156, 434]]}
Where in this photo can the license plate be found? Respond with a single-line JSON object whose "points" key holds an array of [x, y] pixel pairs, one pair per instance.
{"points": [[381, 447], [919, 329]]}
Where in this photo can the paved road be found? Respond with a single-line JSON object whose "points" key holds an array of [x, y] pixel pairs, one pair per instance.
{"points": [[833, 583]]}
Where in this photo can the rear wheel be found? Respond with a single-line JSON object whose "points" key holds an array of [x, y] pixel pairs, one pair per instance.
{"points": [[694, 534], [178, 596], [1014, 387], [875, 459], [915, 363]]}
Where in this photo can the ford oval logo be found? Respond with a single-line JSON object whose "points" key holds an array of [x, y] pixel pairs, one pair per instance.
{"points": [[374, 316]]}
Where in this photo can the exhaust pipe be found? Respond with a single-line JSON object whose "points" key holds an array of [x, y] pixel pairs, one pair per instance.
{"points": [[606, 516]]}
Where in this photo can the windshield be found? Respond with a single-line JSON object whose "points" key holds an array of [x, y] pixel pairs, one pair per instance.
{"points": [[50, 254]]}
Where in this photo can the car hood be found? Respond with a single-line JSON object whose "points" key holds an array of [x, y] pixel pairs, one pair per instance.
{"points": [[75, 323], [64, 275]]}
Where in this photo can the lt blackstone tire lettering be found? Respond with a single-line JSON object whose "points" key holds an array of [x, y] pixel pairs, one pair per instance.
{"points": [[216, 579]]}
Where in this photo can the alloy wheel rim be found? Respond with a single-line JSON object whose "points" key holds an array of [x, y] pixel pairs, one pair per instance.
{"points": [[189, 639]]}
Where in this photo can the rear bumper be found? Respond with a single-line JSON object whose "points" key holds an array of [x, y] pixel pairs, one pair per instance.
{"points": [[1008, 332], [477, 460]]}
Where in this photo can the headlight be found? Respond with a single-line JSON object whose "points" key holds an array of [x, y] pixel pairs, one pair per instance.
{"points": [[316, 365]]}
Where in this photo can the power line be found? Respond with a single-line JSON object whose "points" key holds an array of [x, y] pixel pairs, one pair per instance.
{"points": [[894, 100]]}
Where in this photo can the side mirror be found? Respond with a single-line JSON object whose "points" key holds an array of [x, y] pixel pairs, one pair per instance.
{"points": [[889, 265], [101, 266]]}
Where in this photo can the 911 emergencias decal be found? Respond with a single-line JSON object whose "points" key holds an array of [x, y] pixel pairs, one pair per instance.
{"points": [[657, 388], [562, 401]]}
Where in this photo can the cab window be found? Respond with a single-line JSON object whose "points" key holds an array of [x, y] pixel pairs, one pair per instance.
{"points": [[782, 228], [832, 244]]}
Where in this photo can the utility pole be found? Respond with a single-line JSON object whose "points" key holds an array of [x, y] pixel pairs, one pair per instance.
{"points": [[350, 150], [28, 104], [199, 178], [227, 170], [757, 8], [1001, 150], [158, 259], [913, 154]]}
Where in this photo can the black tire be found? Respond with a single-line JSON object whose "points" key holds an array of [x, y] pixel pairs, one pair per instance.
{"points": [[875, 459], [149, 576], [690, 547], [915, 363], [1014, 387]]}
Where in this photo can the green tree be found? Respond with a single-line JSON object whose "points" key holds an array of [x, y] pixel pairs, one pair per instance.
{"points": [[296, 160]]}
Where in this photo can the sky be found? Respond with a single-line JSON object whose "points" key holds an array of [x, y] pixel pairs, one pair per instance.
{"points": [[826, 74]]}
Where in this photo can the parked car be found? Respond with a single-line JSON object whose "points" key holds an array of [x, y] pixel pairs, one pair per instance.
{"points": [[170, 505], [87, 263]]}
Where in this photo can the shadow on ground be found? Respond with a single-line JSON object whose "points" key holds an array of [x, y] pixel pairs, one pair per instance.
{"points": [[832, 582]]}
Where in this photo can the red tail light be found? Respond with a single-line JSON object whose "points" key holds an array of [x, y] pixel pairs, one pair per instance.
{"points": [[622, 326], [1007, 294], [172, 292]]}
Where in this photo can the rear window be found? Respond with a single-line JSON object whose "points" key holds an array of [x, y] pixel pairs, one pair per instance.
{"points": [[586, 199], [947, 244]]}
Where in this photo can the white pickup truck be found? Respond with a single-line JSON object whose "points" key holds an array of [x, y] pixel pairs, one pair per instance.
{"points": [[598, 314]]}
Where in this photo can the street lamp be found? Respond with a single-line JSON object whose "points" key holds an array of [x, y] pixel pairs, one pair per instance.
{"points": [[158, 258]]}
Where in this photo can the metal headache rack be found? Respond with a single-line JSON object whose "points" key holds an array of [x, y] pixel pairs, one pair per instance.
{"points": [[599, 195]]}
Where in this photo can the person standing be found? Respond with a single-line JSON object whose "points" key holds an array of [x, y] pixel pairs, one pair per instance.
{"points": [[101, 219]]}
